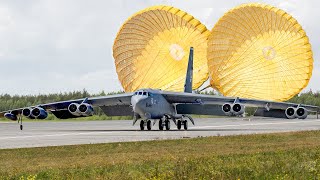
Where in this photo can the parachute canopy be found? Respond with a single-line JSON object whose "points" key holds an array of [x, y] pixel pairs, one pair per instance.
{"points": [[151, 49], [259, 51]]}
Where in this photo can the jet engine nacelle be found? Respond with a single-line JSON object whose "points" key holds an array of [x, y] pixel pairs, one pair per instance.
{"points": [[226, 108], [291, 112], [39, 113], [27, 113], [233, 109], [85, 109], [237, 109], [301, 113], [73, 109], [11, 116]]}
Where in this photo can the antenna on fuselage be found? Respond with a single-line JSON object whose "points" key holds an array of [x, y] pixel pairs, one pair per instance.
{"points": [[189, 75]]}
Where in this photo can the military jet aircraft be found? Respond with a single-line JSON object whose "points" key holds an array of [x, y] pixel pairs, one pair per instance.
{"points": [[162, 107]]}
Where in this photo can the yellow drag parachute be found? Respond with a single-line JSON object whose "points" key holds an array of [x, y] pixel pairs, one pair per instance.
{"points": [[151, 49], [259, 51]]}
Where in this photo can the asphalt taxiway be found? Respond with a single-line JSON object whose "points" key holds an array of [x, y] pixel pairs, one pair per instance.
{"points": [[39, 134]]}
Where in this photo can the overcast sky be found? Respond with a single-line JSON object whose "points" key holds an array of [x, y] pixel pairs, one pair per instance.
{"points": [[49, 46]]}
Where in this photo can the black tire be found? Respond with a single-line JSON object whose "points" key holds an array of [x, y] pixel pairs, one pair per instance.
{"points": [[142, 125], [185, 125], [160, 125], [21, 127], [179, 124], [149, 125], [167, 123]]}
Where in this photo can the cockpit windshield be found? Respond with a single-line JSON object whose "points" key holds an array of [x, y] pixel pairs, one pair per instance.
{"points": [[142, 93]]}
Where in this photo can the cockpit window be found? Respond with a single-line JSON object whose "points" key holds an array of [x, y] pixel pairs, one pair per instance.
{"points": [[144, 93], [136, 93], [140, 93]]}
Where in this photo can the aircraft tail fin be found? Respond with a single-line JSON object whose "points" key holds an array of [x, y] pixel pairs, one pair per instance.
{"points": [[189, 75]]}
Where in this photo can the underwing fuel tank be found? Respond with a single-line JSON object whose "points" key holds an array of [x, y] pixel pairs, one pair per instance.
{"points": [[11, 116]]}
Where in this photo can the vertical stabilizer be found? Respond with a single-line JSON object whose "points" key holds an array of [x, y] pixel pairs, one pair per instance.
{"points": [[189, 76]]}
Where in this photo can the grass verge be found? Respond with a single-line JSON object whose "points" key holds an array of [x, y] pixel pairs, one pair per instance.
{"points": [[265, 156]]}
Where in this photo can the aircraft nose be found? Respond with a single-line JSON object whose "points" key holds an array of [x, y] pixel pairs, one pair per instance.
{"points": [[134, 102]]}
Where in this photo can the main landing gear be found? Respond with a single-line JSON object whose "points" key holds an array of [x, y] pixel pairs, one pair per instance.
{"points": [[164, 123], [144, 123], [183, 123]]}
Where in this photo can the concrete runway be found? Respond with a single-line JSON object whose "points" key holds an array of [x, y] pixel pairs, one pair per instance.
{"points": [[38, 134]]}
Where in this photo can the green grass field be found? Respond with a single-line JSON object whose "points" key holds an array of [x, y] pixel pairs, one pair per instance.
{"points": [[266, 156]]}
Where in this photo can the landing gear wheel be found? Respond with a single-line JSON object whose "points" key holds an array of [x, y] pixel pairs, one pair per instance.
{"points": [[149, 125], [167, 123], [185, 125], [142, 125], [160, 125], [20, 121], [179, 124]]}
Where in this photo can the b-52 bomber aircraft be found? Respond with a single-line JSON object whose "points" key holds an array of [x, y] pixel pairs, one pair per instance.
{"points": [[162, 107]]}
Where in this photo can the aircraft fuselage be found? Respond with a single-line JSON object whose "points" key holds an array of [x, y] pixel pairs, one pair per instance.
{"points": [[151, 105]]}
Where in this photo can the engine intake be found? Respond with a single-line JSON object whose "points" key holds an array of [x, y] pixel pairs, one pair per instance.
{"points": [[238, 109], [83, 109], [290, 112], [86, 109], [301, 113], [27, 113], [226, 108], [39, 113], [233, 109], [73, 109]]}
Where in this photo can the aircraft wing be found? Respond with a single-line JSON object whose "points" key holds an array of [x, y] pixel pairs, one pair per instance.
{"points": [[189, 98], [102, 101], [49, 106]]}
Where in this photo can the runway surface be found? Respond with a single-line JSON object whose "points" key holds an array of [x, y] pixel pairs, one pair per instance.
{"points": [[38, 134]]}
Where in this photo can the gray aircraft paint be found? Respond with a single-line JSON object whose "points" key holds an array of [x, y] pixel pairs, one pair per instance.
{"points": [[152, 105], [189, 75]]}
